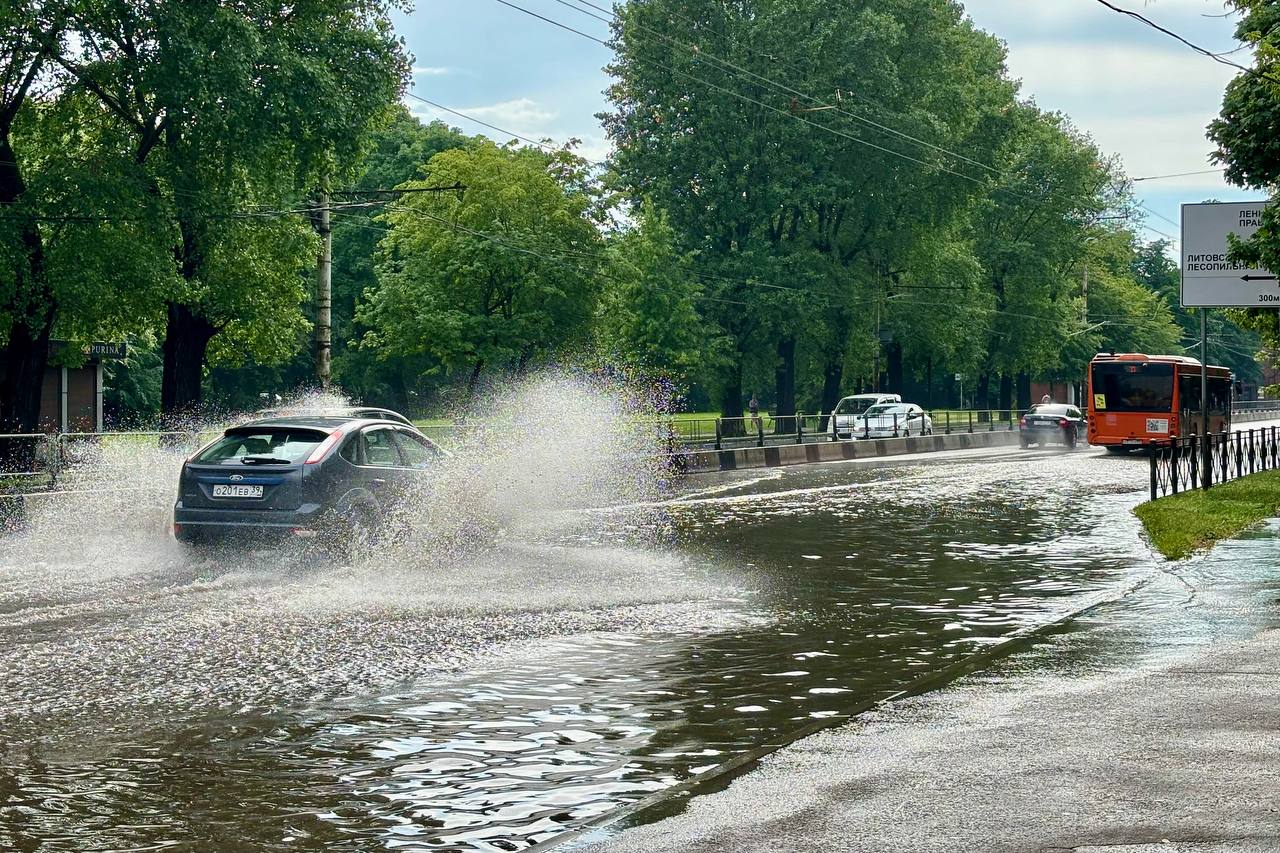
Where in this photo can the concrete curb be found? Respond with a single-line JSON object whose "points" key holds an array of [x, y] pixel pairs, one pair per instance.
{"points": [[704, 461]]}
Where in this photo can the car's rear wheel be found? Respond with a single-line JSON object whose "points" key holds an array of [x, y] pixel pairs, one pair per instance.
{"points": [[1069, 438], [354, 530]]}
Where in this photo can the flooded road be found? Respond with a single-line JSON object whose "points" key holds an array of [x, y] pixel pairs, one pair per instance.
{"points": [[595, 658]]}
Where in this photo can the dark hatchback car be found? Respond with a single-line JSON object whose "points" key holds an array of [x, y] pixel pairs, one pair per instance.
{"points": [[1050, 422], [304, 477]]}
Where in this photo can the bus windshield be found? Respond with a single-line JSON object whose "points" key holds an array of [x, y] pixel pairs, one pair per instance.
{"points": [[1133, 387]]}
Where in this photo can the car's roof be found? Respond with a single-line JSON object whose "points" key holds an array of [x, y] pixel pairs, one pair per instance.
{"points": [[317, 421]]}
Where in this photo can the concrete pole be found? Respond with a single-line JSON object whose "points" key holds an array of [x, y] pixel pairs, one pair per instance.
{"points": [[324, 291]]}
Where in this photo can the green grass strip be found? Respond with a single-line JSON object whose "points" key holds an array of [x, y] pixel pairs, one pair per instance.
{"points": [[1184, 523]]}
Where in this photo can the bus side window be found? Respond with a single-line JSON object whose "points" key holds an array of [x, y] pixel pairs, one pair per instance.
{"points": [[1219, 396], [1189, 388]]}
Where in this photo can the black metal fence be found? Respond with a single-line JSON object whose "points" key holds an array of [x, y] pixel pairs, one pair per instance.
{"points": [[1181, 464]]}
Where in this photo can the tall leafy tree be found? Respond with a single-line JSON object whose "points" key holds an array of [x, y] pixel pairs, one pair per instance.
{"points": [[737, 119], [236, 107], [495, 277], [1029, 234], [32, 34], [397, 153]]}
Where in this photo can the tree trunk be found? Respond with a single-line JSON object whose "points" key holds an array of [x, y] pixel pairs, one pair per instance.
{"points": [[928, 382], [893, 367], [784, 421], [32, 311], [186, 340], [731, 400], [473, 384], [832, 377], [982, 393], [1006, 391], [1024, 391]]}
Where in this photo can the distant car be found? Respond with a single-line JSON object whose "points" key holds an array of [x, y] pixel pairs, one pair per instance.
{"points": [[893, 420], [334, 412], [844, 417], [1050, 422], [307, 476]]}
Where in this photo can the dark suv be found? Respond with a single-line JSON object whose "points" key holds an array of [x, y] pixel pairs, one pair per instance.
{"points": [[304, 477]]}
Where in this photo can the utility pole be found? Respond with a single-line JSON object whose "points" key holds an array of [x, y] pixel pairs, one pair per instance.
{"points": [[1084, 310], [324, 290]]}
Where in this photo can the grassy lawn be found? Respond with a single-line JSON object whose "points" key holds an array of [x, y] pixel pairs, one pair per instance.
{"points": [[1184, 523]]}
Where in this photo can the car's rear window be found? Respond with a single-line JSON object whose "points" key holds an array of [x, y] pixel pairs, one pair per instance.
{"points": [[887, 409], [1053, 409], [285, 445]]}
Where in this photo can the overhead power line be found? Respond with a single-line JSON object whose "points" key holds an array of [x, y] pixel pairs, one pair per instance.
{"points": [[1176, 175], [1216, 57], [543, 144]]}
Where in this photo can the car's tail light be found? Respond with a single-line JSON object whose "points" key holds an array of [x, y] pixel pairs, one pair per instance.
{"points": [[177, 528], [1064, 423], [323, 448], [1022, 422]]}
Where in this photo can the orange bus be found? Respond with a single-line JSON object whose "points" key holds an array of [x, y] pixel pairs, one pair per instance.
{"points": [[1137, 399]]}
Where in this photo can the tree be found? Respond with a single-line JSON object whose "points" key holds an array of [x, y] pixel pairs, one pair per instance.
{"points": [[232, 107], [648, 311], [1029, 235], [32, 34], [492, 278], [397, 154], [796, 203]]}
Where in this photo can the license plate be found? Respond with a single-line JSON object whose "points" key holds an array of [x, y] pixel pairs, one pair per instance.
{"points": [[1132, 441], [221, 490]]}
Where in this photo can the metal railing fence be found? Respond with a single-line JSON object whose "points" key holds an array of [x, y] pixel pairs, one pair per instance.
{"points": [[32, 461], [1178, 465]]}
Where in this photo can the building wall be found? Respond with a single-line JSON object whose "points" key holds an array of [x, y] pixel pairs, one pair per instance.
{"points": [[81, 398]]}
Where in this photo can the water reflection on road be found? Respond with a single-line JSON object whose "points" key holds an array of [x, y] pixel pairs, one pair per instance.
{"points": [[776, 600]]}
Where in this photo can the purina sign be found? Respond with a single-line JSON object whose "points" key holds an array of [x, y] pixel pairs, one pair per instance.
{"points": [[1209, 278]]}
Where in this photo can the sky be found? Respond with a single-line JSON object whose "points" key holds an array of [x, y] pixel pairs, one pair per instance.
{"points": [[1140, 94]]}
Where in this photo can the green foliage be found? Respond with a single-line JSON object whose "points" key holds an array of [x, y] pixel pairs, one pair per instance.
{"points": [[131, 393], [501, 275], [230, 109], [397, 153], [648, 312]]}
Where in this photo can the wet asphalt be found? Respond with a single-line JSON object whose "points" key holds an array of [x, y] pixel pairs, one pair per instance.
{"points": [[618, 649]]}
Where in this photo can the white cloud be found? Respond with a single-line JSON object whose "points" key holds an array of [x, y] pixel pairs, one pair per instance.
{"points": [[429, 71], [518, 115]]}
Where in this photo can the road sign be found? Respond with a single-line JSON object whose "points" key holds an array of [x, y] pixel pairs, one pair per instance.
{"points": [[1209, 278]]}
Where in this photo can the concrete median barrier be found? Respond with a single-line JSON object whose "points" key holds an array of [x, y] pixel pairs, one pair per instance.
{"points": [[834, 451]]}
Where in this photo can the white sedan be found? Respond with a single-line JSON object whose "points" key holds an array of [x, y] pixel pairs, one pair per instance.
{"points": [[893, 420]]}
